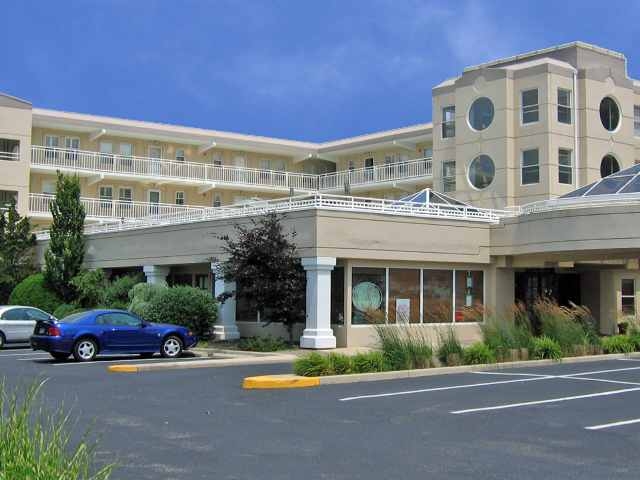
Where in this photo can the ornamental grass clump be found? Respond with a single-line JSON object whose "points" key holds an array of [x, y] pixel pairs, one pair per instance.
{"points": [[312, 365], [568, 326], [36, 444], [339, 364], [509, 331], [477, 354], [618, 344], [404, 347], [450, 350], [369, 362], [545, 348]]}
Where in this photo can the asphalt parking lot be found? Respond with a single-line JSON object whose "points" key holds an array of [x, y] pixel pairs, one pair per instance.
{"points": [[561, 421]]}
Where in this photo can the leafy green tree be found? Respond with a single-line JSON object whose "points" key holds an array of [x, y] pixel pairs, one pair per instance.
{"points": [[16, 250], [64, 257], [264, 263]]}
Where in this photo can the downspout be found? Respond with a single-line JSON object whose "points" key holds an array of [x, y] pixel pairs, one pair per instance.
{"points": [[575, 129]]}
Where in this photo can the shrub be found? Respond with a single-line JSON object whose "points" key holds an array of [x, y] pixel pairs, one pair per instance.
{"points": [[117, 293], [512, 331], [565, 325], [478, 353], [339, 364], [66, 309], [90, 286], [142, 295], [186, 306], [36, 444], [33, 292], [449, 345], [634, 336], [404, 347], [263, 343], [545, 347], [368, 362], [312, 365], [618, 344]]}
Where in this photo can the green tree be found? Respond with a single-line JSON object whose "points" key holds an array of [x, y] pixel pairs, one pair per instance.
{"points": [[16, 250], [264, 263], [64, 257]]}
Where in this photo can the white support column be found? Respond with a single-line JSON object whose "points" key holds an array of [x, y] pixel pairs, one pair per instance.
{"points": [[318, 333], [225, 327], [156, 274]]}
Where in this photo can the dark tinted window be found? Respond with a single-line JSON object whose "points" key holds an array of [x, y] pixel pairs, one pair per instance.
{"points": [[118, 319], [74, 317], [34, 314], [609, 166], [14, 314], [609, 113], [609, 186]]}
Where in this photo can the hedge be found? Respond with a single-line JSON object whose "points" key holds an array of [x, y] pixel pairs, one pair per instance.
{"points": [[33, 292]]}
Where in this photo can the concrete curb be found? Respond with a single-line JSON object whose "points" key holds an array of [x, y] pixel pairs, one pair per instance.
{"points": [[209, 363], [279, 382], [428, 372]]}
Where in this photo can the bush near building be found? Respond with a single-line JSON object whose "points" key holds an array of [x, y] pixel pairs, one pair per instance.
{"points": [[34, 292], [16, 250], [266, 343]]}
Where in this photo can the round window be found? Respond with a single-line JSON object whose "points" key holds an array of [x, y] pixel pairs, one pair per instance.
{"points": [[481, 172], [609, 113], [609, 166], [481, 113]]}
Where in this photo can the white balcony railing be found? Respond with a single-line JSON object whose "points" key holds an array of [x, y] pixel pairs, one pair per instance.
{"points": [[305, 202], [201, 173], [96, 208], [10, 156]]}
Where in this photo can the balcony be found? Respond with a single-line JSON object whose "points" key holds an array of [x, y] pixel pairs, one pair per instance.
{"points": [[109, 210], [210, 176]]}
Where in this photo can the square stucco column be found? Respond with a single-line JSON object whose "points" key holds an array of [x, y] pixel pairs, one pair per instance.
{"points": [[156, 274], [225, 327], [318, 333]]}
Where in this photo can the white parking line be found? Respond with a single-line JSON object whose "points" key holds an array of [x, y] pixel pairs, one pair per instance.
{"points": [[440, 389], [510, 373], [542, 402], [614, 424]]}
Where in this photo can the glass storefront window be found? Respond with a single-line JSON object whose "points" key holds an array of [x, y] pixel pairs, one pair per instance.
{"points": [[404, 295], [469, 296], [337, 296], [368, 295], [437, 296]]}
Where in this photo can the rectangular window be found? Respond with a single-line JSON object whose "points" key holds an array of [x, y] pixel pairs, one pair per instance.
{"points": [[180, 155], [449, 122], [7, 197], [368, 297], [106, 193], [9, 149], [404, 295], [72, 143], [636, 120], [352, 165], [337, 296], [265, 164], [565, 168], [449, 176], [217, 159], [437, 296], [125, 194], [427, 153], [469, 296], [628, 296], [530, 167], [179, 198], [51, 141], [49, 187], [217, 201], [564, 105], [126, 149], [155, 151], [530, 107]]}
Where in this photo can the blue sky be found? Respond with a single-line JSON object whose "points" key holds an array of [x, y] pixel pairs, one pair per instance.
{"points": [[299, 69]]}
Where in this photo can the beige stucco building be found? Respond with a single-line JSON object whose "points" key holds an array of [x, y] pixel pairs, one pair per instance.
{"points": [[508, 138]]}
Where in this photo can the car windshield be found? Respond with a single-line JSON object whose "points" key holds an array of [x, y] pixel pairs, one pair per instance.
{"points": [[73, 318]]}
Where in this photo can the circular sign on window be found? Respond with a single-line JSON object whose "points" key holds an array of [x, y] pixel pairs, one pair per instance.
{"points": [[367, 296]]}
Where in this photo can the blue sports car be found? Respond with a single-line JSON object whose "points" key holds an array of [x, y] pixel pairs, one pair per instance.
{"points": [[86, 334]]}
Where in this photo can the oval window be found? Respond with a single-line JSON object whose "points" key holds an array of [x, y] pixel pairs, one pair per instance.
{"points": [[481, 172], [609, 114], [481, 113], [609, 166]]}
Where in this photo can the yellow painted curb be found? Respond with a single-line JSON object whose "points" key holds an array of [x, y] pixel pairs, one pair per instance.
{"points": [[279, 381], [123, 368]]}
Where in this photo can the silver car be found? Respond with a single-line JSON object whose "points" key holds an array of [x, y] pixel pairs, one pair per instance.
{"points": [[17, 323]]}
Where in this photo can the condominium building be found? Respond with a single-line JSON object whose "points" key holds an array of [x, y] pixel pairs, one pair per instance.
{"points": [[492, 202]]}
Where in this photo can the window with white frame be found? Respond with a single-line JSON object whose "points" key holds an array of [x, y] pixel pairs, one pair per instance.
{"points": [[449, 122], [427, 152], [217, 159], [564, 105], [49, 187], [72, 142], [279, 165], [179, 198], [530, 106], [628, 296], [51, 141], [352, 165], [125, 194], [265, 164], [217, 201], [179, 154], [8, 197], [125, 149], [636, 120], [106, 196], [530, 171], [448, 176], [565, 167]]}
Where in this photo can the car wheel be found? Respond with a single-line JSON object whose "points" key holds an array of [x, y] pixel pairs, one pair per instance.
{"points": [[171, 347], [59, 356], [85, 350], [2, 340]]}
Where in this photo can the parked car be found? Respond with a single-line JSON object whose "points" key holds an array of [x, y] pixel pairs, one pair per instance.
{"points": [[17, 323], [86, 334]]}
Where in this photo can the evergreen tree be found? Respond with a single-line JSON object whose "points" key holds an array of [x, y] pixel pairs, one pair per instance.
{"points": [[263, 262], [16, 250], [64, 257]]}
